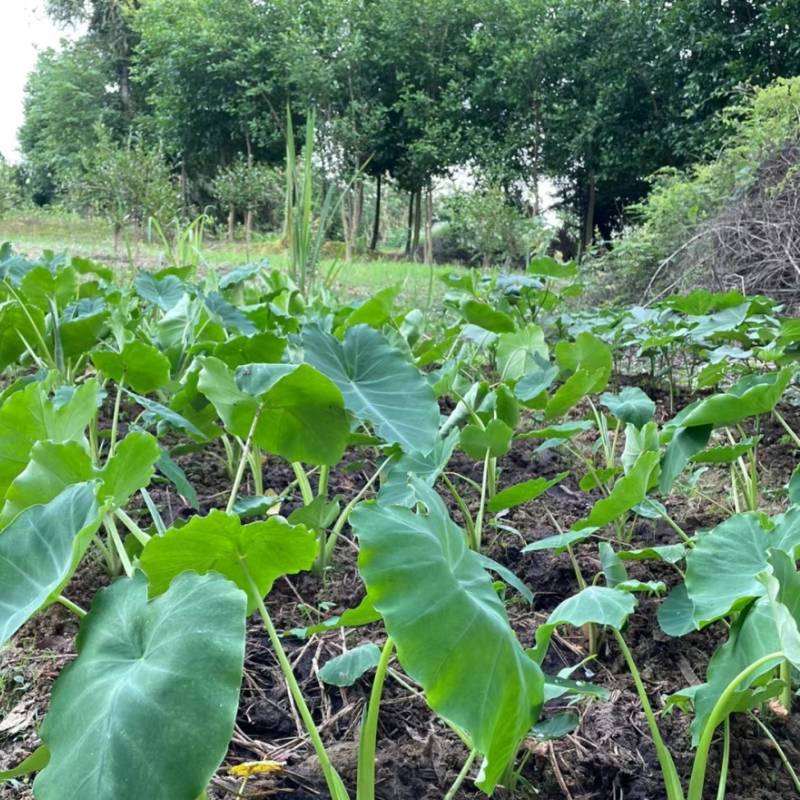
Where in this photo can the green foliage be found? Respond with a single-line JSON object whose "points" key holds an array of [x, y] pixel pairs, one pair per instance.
{"points": [[497, 232]]}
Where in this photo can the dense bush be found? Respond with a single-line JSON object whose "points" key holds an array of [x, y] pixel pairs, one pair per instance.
{"points": [[484, 224], [127, 184], [681, 232]]}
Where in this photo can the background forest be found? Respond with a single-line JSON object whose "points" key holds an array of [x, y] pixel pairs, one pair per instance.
{"points": [[488, 130]]}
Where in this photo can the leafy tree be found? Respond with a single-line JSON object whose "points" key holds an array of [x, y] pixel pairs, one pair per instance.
{"points": [[249, 188], [128, 184], [67, 95]]}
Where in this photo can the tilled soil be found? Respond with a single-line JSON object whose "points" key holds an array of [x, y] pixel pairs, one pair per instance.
{"points": [[609, 756]]}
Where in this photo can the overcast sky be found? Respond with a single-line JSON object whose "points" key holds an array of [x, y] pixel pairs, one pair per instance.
{"points": [[25, 30]]}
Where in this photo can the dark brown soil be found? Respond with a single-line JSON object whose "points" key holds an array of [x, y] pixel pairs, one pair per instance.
{"points": [[610, 755]]}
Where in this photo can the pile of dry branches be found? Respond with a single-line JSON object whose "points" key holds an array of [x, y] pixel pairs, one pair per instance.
{"points": [[753, 243]]}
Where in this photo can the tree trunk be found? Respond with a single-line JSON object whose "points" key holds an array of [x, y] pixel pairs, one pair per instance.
{"points": [[184, 186], [248, 225], [429, 224], [417, 224], [410, 225], [588, 231], [231, 224], [376, 226]]}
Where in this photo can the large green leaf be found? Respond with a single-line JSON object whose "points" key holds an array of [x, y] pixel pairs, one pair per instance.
{"points": [[628, 492], [630, 405], [56, 465], [130, 468], [347, 668], [722, 569], [521, 352], [379, 384], [302, 416], [29, 415], [38, 551], [484, 316], [148, 707], [587, 353], [17, 328], [449, 625], [754, 394], [523, 492], [599, 605], [163, 292], [40, 286], [140, 366], [82, 325], [263, 348], [219, 542], [686, 443], [572, 391]]}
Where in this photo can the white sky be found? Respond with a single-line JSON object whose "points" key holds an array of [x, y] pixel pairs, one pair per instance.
{"points": [[25, 30]]}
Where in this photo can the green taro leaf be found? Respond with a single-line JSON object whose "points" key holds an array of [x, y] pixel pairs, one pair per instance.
{"points": [[686, 443], [494, 439], [219, 542], [363, 614], [39, 550], [40, 286], [28, 416], [599, 605], [375, 311], [227, 315], [263, 348], [379, 385], [532, 385], [722, 569], [523, 492], [53, 466], [82, 325], [628, 492], [17, 328], [148, 707], [521, 352], [676, 613], [587, 353], [556, 727], [346, 669], [140, 366], [450, 627], [572, 391], [753, 395], [302, 415], [486, 317], [727, 453], [630, 405], [560, 542], [165, 292], [130, 468]]}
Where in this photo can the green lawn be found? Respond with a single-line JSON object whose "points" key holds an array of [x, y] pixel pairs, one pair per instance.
{"points": [[36, 231]]}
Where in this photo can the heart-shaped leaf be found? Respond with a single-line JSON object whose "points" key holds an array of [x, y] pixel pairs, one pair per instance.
{"points": [[140, 366], [153, 693], [220, 543]]}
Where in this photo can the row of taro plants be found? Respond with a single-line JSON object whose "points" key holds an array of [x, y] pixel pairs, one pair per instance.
{"points": [[109, 385]]}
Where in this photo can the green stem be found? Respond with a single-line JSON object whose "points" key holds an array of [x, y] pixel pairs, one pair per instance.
{"points": [[785, 425], [306, 491], [672, 782], [73, 607], [461, 777], [322, 485], [254, 460], [119, 547], [786, 692], [726, 757], [115, 422], [478, 532], [332, 778], [341, 521], [786, 763], [237, 480], [142, 537], [719, 712], [365, 786], [469, 524], [677, 528]]}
